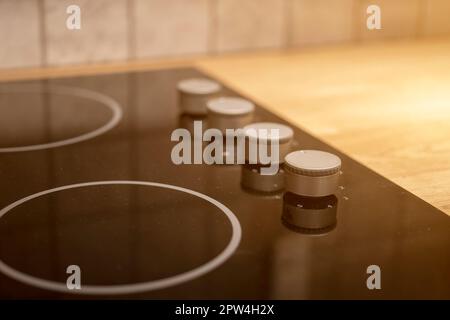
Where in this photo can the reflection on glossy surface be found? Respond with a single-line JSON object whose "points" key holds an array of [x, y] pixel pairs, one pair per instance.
{"points": [[58, 123], [186, 121], [309, 215], [197, 125], [252, 179]]}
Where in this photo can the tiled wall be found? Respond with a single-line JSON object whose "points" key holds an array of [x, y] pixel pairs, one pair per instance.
{"points": [[33, 32]]}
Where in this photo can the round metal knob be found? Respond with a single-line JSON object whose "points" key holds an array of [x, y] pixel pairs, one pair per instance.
{"points": [[312, 173], [229, 113], [260, 132], [194, 93]]}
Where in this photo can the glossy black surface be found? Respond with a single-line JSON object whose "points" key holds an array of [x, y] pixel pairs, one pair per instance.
{"points": [[121, 234]]}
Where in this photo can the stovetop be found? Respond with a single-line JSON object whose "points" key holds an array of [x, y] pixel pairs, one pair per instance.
{"points": [[87, 180]]}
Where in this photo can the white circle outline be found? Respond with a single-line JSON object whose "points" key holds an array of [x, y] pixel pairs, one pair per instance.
{"points": [[137, 287], [78, 92]]}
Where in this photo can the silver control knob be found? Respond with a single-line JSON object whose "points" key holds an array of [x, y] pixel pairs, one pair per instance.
{"points": [[229, 113], [312, 173], [194, 93], [254, 134]]}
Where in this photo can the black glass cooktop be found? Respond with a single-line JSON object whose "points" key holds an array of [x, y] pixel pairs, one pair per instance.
{"points": [[87, 180]]}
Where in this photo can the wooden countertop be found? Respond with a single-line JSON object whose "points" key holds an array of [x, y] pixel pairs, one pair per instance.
{"points": [[387, 105]]}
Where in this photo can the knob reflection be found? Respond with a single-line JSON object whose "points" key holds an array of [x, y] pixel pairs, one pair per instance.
{"points": [[186, 121], [309, 215], [254, 182]]}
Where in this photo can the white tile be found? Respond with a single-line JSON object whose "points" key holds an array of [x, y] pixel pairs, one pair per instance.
{"points": [[399, 19], [171, 28], [436, 19], [250, 24], [102, 37], [322, 21], [19, 34]]}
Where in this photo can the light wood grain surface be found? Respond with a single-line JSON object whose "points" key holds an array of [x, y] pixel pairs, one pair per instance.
{"points": [[387, 105]]}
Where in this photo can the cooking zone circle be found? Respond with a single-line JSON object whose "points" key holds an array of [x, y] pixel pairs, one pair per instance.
{"points": [[136, 287], [112, 104]]}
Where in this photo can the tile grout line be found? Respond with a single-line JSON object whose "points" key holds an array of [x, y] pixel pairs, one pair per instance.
{"points": [[131, 30], [212, 41], [42, 33], [357, 34], [289, 24], [420, 19]]}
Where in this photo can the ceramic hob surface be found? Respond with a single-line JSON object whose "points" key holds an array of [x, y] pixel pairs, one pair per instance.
{"points": [[86, 179]]}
